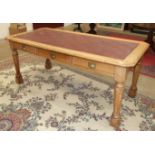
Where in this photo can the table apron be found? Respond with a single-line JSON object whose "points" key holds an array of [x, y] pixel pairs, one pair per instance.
{"points": [[77, 62]]}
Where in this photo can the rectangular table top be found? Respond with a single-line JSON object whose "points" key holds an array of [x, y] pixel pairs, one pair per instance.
{"points": [[89, 44]]}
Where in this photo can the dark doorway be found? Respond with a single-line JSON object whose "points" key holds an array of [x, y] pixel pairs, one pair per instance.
{"points": [[51, 25]]}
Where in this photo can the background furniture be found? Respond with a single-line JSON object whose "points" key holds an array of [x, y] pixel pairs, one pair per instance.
{"points": [[51, 25], [112, 26], [149, 29], [17, 28], [92, 28], [78, 27]]}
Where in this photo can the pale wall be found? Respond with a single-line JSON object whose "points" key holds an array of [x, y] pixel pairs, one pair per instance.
{"points": [[4, 30]]}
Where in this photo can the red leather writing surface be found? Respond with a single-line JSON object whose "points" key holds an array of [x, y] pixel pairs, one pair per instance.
{"points": [[89, 44]]}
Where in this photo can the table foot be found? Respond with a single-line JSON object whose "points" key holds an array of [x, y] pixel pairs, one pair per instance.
{"points": [[132, 92], [48, 64], [19, 79], [115, 122]]}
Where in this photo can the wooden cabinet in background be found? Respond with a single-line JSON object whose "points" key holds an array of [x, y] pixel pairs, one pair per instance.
{"points": [[17, 28], [51, 25]]}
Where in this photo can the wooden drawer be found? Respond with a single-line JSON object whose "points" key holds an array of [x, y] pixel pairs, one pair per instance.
{"points": [[26, 48], [93, 66], [55, 56], [61, 57]]}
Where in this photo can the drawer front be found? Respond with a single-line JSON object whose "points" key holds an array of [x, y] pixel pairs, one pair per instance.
{"points": [[26, 48], [93, 66], [61, 57], [55, 56]]}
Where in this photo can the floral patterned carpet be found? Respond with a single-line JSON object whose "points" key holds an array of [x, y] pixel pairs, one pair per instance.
{"points": [[62, 99]]}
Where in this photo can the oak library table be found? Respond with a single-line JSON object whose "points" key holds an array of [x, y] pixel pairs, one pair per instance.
{"points": [[99, 54]]}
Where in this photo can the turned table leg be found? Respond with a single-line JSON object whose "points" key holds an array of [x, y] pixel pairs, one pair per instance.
{"points": [[133, 88], [18, 77], [48, 64], [120, 77]]}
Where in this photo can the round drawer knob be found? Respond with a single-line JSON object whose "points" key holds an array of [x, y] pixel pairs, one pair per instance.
{"points": [[53, 56], [91, 65]]}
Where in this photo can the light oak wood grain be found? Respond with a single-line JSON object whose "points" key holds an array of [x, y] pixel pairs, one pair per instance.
{"points": [[130, 61]]}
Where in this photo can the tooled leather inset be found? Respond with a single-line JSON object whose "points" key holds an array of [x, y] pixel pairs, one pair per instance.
{"points": [[89, 44]]}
